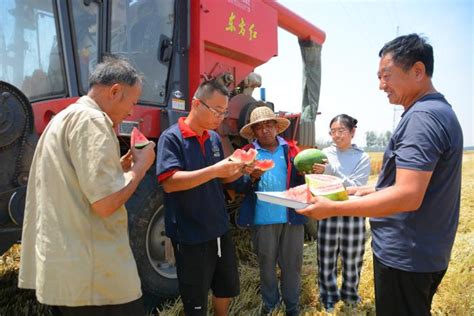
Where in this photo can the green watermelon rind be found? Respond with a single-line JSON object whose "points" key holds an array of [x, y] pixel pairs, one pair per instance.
{"points": [[142, 145], [328, 186], [335, 196], [305, 159]]}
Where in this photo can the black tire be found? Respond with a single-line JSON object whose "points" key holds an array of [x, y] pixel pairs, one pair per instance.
{"points": [[244, 116], [147, 239], [8, 237]]}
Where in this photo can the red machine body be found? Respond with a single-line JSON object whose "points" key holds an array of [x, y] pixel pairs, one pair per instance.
{"points": [[236, 36], [231, 37], [49, 47]]}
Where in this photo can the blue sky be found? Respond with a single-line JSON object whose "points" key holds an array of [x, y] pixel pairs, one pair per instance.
{"points": [[355, 32]]}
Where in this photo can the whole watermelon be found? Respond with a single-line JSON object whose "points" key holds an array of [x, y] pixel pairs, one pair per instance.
{"points": [[305, 159]]}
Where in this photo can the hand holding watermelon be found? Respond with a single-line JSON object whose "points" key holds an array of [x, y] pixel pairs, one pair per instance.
{"points": [[319, 208], [248, 168], [319, 168], [143, 158], [256, 174], [227, 168], [306, 159], [126, 161], [142, 152], [260, 167]]}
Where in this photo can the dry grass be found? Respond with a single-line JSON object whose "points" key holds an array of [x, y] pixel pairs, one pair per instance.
{"points": [[455, 295], [375, 163], [14, 301]]}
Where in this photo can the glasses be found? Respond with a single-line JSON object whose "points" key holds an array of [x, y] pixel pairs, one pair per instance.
{"points": [[216, 113], [338, 131]]}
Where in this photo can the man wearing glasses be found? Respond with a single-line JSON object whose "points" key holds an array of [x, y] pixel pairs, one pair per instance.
{"points": [[191, 168]]}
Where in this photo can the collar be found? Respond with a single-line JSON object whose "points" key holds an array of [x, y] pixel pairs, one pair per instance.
{"points": [[90, 103], [187, 132], [281, 142], [353, 147], [430, 96]]}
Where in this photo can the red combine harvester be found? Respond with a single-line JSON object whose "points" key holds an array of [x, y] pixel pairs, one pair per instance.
{"points": [[48, 48]]}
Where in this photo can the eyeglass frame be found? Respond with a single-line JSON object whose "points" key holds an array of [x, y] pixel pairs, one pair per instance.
{"points": [[341, 130], [216, 113]]}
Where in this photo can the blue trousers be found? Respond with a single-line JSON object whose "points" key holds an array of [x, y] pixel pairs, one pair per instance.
{"points": [[280, 244]]}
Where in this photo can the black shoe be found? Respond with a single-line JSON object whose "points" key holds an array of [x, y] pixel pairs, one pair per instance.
{"points": [[329, 307], [351, 304]]}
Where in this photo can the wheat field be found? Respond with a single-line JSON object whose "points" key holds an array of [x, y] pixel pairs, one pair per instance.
{"points": [[455, 295]]}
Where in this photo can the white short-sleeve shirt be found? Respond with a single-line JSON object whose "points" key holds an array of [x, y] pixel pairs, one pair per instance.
{"points": [[70, 255]]}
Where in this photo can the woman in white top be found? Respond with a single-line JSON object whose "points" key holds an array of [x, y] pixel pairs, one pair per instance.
{"points": [[344, 235]]}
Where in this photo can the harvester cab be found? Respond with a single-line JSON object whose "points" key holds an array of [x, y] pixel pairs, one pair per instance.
{"points": [[49, 47]]}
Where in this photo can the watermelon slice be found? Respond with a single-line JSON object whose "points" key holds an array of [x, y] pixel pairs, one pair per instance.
{"points": [[326, 185], [137, 139], [246, 157], [264, 165], [300, 193]]}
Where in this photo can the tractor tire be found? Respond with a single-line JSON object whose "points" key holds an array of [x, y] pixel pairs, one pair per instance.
{"points": [[8, 237], [146, 224], [244, 116]]}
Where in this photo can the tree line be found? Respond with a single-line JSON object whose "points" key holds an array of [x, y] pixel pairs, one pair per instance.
{"points": [[377, 141]]}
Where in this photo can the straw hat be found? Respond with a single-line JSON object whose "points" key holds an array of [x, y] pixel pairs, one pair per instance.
{"points": [[262, 114]]}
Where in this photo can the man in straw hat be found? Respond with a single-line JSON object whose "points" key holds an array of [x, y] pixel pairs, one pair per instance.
{"points": [[277, 231]]}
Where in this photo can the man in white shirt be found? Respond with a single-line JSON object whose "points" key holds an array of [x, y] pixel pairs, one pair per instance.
{"points": [[75, 247]]}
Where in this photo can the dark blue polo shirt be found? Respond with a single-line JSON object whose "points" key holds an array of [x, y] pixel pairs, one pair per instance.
{"points": [[428, 138], [198, 214]]}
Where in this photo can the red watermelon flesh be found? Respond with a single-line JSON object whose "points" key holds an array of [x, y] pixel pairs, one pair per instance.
{"points": [[300, 193], [137, 139], [264, 165], [246, 157]]}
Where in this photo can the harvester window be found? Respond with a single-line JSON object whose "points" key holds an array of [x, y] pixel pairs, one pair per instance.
{"points": [[138, 30], [29, 49], [86, 19]]}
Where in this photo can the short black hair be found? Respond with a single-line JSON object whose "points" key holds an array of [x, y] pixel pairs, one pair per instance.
{"points": [[406, 50], [348, 121], [114, 69], [207, 88]]}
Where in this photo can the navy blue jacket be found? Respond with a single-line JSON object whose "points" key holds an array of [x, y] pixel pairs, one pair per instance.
{"points": [[199, 214], [244, 185]]}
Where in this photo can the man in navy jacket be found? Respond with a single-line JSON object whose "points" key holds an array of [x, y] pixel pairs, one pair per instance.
{"points": [[277, 231]]}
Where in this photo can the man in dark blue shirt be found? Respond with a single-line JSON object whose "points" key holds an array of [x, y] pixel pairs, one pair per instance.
{"points": [[191, 168], [414, 207]]}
